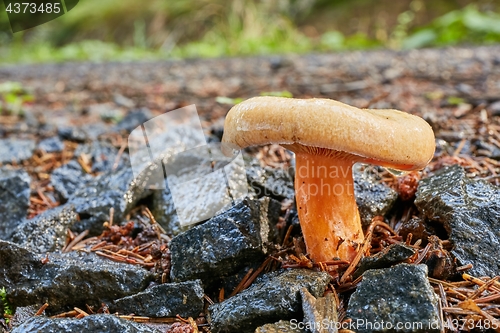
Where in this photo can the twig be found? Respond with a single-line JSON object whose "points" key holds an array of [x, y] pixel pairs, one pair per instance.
{"points": [[119, 155], [364, 248], [80, 311], [42, 309], [75, 240], [242, 283], [259, 270]]}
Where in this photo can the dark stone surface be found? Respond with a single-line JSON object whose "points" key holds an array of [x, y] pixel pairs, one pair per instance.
{"points": [[72, 133], [45, 232], [68, 178], [133, 119], [391, 255], [197, 188], [272, 182], [491, 150], [282, 326], [163, 208], [440, 263], [165, 300], [223, 244], [47, 130], [229, 283], [14, 199], [51, 145], [66, 280], [23, 313], [395, 296], [470, 212], [373, 197], [102, 155], [82, 133], [117, 189], [16, 150], [93, 323], [267, 301], [320, 313], [419, 228]]}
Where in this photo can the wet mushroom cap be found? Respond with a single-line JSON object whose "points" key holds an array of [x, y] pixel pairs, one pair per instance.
{"points": [[389, 138]]}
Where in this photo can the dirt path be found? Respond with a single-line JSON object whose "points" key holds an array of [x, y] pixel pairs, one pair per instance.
{"points": [[457, 90], [403, 80]]}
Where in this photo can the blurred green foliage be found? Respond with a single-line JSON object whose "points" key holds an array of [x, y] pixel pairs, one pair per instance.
{"points": [[12, 97], [130, 30], [467, 25]]}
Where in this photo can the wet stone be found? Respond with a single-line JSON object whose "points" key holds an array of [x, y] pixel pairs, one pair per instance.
{"points": [[47, 130], [51, 145], [419, 229], [164, 146], [22, 314], [66, 280], [68, 178], [72, 133], [229, 283], [373, 197], [92, 323], [117, 189], [14, 199], [201, 183], [163, 209], [400, 295], [197, 187], [271, 182], [133, 119], [282, 326], [267, 301], [16, 150], [391, 255], [469, 210], [165, 300], [82, 133], [492, 150], [45, 232], [223, 244], [101, 155], [320, 313], [94, 131]]}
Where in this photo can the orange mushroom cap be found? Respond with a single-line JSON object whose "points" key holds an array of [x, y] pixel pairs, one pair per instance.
{"points": [[388, 138]]}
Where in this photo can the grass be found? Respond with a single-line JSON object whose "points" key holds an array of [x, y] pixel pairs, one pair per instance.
{"points": [[12, 97], [171, 30], [7, 309]]}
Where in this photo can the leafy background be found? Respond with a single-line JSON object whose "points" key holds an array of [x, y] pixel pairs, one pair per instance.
{"points": [[103, 30]]}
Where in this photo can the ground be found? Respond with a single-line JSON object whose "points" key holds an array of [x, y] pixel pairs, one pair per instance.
{"points": [[456, 90]]}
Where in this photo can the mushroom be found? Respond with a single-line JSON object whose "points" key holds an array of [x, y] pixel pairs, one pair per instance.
{"points": [[328, 137]]}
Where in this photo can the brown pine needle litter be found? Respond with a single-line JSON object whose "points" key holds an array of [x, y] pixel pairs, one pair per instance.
{"points": [[147, 249]]}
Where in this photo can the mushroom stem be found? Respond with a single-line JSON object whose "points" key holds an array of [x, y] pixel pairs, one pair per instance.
{"points": [[326, 205]]}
